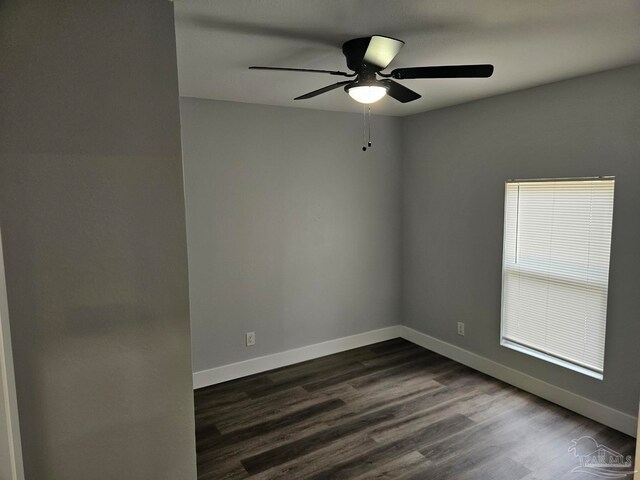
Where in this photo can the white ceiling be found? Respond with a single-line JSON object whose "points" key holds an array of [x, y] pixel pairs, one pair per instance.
{"points": [[530, 42]]}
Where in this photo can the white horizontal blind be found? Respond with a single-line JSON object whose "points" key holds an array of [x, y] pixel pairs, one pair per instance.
{"points": [[555, 273]]}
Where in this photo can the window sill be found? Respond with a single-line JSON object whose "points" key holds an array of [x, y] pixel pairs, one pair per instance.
{"points": [[551, 359]]}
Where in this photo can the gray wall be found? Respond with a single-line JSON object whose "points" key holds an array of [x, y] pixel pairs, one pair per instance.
{"points": [[455, 163], [92, 217], [293, 231]]}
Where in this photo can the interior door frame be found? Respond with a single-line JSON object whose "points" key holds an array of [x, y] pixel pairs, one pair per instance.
{"points": [[7, 380]]}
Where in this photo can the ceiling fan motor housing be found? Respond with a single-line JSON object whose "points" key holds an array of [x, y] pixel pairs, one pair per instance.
{"points": [[365, 82], [354, 50]]}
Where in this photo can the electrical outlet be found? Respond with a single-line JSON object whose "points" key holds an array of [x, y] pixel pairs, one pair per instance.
{"points": [[251, 339], [461, 328]]}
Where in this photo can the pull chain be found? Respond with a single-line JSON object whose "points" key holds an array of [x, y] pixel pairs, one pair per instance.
{"points": [[366, 126], [369, 142]]}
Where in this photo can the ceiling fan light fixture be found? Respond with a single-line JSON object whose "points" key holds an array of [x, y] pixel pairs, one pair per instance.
{"points": [[367, 57], [367, 93]]}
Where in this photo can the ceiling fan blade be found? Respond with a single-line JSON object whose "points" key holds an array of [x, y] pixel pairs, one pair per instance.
{"points": [[312, 70], [381, 50], [451, 71], [328, 88], [400, 92]]}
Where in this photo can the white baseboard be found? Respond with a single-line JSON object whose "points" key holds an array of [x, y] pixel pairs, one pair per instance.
{"points": [[601, 413], [232, 371], [596, 411]]}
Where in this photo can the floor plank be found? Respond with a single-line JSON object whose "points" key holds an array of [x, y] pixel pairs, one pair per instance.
{"points": [[386, 411]]}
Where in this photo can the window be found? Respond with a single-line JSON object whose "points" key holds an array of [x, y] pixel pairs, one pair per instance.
{"points": [[555, 270]]}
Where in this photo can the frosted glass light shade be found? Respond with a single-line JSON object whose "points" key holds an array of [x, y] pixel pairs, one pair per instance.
{"points": [[367, 93]]}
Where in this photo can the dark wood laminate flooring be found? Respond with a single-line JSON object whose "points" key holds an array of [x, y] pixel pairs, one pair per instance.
{"points": [[392, 410]]}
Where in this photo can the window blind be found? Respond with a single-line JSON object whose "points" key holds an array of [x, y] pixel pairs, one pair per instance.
{"points": [[555, 274]]}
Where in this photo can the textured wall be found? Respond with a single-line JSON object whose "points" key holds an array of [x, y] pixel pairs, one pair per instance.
{"points": [[293, 231], [92, 216], [455, 163]]}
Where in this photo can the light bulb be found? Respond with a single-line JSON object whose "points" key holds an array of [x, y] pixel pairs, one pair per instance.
{"points": [[367, 93]]}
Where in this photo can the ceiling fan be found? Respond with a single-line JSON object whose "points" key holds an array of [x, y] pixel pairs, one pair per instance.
{"points": [[367, 57]]}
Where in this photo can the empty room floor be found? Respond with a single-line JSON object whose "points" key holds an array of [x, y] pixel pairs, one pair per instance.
{"points": [[392, 410]]}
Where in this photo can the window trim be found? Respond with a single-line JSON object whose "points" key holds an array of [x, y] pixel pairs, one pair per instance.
{"points": [[549, 358]]}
